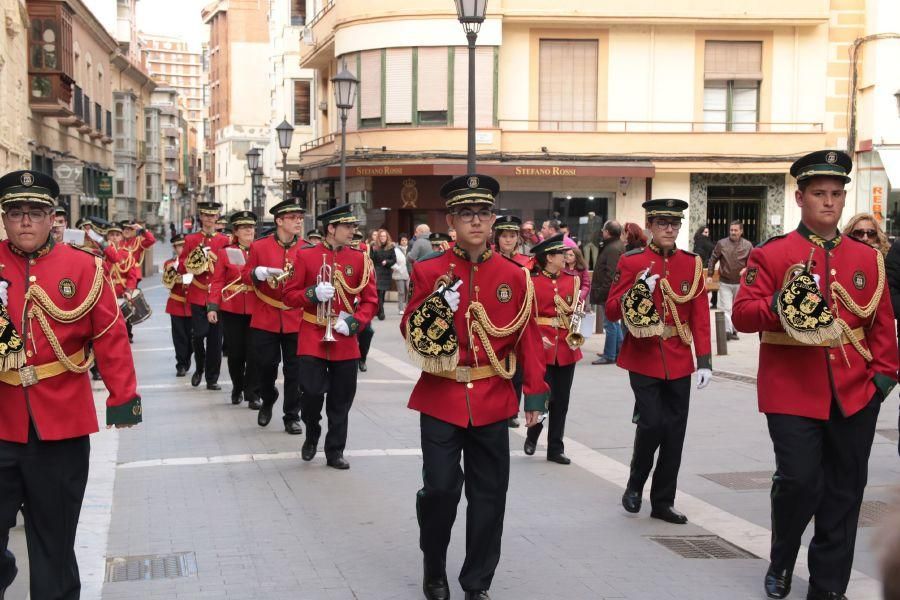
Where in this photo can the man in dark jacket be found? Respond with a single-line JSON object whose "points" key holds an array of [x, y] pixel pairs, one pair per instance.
{"points": [[601, 281]]}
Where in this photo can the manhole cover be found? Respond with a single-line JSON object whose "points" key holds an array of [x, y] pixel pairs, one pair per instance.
{"points": [[139, 568], [872, 512], [748, 379], [702, 546], [891, 434], [747, 480]]}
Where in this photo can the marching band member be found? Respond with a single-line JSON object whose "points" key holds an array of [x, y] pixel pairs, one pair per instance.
{"points": [[556, 302], [332, 276], [827, 360], [136, 241], [507, 239], [178, 309], [198, 257], [439, 241], [274, 323], [659, 293], [55, 301], [60, 222], [314, 237], [467, 323], [232, 302]]}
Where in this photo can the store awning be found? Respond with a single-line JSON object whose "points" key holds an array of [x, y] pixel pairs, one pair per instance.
{"points": [[523, 169], [890, 158]]}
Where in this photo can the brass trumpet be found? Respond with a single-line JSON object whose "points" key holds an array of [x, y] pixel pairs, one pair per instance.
{"points": [[276, 280], [574, 338], [238, 288], [323, 309]]}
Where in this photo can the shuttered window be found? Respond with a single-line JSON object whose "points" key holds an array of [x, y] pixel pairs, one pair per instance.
{"points": [[370, 88], [484, 87], [732, 72], [432, 84], [568, 85], [398, 86], [732, 60], [301, 102]]}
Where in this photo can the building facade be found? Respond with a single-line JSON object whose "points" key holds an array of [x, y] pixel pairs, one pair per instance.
{"points": [[171, 63], [584, 113]]}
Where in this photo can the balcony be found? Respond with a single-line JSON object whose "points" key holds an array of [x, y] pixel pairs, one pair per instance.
{"points": [[86, 115], [74, 116], [317, 42], [50, 58]]}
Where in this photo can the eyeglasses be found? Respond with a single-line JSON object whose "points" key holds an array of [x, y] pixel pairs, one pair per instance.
{"points": [[666, 224], [465, 215], [861, 233], [36, 215]]}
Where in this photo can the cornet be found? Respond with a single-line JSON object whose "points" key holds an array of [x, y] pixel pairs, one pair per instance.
{"points": [[275, 280], [574, 338], [238, 288], [323, 309]]}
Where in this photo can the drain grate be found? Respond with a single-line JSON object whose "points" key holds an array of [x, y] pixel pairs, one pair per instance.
{"points": [[747, 480], [140, 568], [748, 379], [891, 434], [872, 512], [702, 546]]}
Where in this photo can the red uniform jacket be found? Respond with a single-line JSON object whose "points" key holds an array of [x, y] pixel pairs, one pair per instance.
{"points": [[227, 281], [177, 304], [136, 247], [354, 265], [654, 356], [271, 312], [62, 406], [198, 290], [500, 285], [546, 287], [119, 268], [798, 380]]}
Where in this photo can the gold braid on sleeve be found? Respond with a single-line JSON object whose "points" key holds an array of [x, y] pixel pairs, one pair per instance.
{"points": [[342, 288], [671, 299], [564, 310], [863, 312], [481, 325]]}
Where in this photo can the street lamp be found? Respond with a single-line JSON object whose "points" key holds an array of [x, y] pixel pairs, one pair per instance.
{"points": [[246, 203], [285, 133], [256, 182], [471, 14], [253, 160], [344, 95]]}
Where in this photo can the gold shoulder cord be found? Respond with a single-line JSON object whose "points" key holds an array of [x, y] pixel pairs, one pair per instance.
{"points": [[342, 288], [564, 310], [482, 326], [863, 312], [672, 299], [42, 305]]}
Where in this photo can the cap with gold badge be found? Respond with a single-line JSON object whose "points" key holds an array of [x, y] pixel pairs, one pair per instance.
{"points": [[824, 163], [470, 190], [28, 186]]}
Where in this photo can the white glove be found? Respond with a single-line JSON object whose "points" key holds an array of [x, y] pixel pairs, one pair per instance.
{"points": [[452, 296], [650, 281], [703, 378], [325, 292], [261, 273], [341, 327], [4, 293], [817, 277], [95, 236], [206, 250]]}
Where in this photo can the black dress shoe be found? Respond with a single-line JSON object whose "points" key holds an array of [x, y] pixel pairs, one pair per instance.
{"points": [[213, 386], [180, 372], [778, 583], [264, 415], [436, 588], [338, 462], [631, 501], [560, 459], [362, 366], [237, 397], [481, 595], [308, 450], [529, 447], [293, 427], [513, 423], [669, 515], [254, 403], [815, 593], [196, 378]]}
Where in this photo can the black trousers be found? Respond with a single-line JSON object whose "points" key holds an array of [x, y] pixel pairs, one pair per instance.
{"points": [[46, 479], [660, 413], [268, 350], [821, 471], [207, 340], [560, 381], [381, 295], [517, 382], [332, 384], [181, 339], [365, 341], [236, 335], [485, 456]]}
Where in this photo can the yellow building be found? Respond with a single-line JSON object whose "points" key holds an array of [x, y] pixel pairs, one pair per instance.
{"points": [[13, 84], [584, 106]]}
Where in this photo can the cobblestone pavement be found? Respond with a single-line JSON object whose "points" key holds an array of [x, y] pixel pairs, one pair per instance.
{"points": [[199, 476]]}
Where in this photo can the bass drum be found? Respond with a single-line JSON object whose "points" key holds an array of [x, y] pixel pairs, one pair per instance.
{"points": [[135, 308]]}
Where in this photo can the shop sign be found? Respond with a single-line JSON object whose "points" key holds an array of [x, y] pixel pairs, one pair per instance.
{"points": [[105, 186]]}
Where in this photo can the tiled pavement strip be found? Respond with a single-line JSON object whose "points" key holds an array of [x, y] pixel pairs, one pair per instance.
{"points": [[263, 524]]}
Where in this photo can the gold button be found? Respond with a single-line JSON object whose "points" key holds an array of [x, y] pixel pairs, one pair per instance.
{"points": [[32, 279], [29, 354], [477, 289], [833, 272], [831, 356], [475, 268], [32, 262], [470, 385]]}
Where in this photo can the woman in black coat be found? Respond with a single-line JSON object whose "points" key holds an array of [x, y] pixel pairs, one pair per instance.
{"points": [[703, 247], [383, 257]]}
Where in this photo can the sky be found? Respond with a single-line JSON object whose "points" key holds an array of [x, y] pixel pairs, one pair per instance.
{"points": [[173, 18]]}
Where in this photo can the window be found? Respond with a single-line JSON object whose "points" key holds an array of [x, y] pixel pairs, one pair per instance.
{"points": [[431, 84], [568, 85], [398, 86], [732, 75], [484, 86], [298, 12], [370, 88], [302, 89]]}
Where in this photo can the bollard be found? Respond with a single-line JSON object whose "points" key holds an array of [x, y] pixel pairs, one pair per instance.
{"points": [[721, 335]]}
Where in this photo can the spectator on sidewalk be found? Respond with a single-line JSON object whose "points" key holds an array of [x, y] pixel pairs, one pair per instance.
{"points": [[703, 247], [611, 249], [575, 262], [865, 228], [731, 254], [530, 239], [421, 247], [635, 237]]}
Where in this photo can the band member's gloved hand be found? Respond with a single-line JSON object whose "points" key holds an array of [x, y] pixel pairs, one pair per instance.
{"points": [[650, 281], [4, 293], [342, 328], [94, 236], [206, 250], [261, 273], [704, 376], [325, 292], [452, 296]]}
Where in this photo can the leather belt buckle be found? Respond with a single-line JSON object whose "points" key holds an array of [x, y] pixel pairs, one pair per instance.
{"points": [[464, 374], [28, 376]]}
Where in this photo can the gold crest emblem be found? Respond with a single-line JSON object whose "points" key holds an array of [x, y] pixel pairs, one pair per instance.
{"points": [[409, 195], [685, 287], [859, 280], [670, 203], [348, 270], [831, 158], [504, 293], [67, 288], [473, 182], [27, 179], [750, 277]]}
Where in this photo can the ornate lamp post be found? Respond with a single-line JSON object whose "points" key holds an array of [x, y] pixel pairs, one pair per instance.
{"points": [[285, 133], [344, 96], [253, 159], [471, 15], [258, 190]]}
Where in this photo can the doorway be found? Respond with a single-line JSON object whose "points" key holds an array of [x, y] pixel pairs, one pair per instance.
{"points": [[734, 203]]}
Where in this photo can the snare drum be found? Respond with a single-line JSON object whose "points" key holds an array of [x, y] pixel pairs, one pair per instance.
{"points": [[135, 308]]}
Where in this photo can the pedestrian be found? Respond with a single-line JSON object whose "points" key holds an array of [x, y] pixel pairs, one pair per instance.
{"points": [[827, 360], [635, 237], [864, 227], [556, 294], [178, 309], [47, 410], [275, 323], [195, 259], [611, 250], [384, 258], [172, 232], [400, 273], [574, 261], [659, 294], [731, 254], [342, 304], [465, 402], [233, 302], [421, 247], [529, 238], [549, 228], [703, 247]]}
